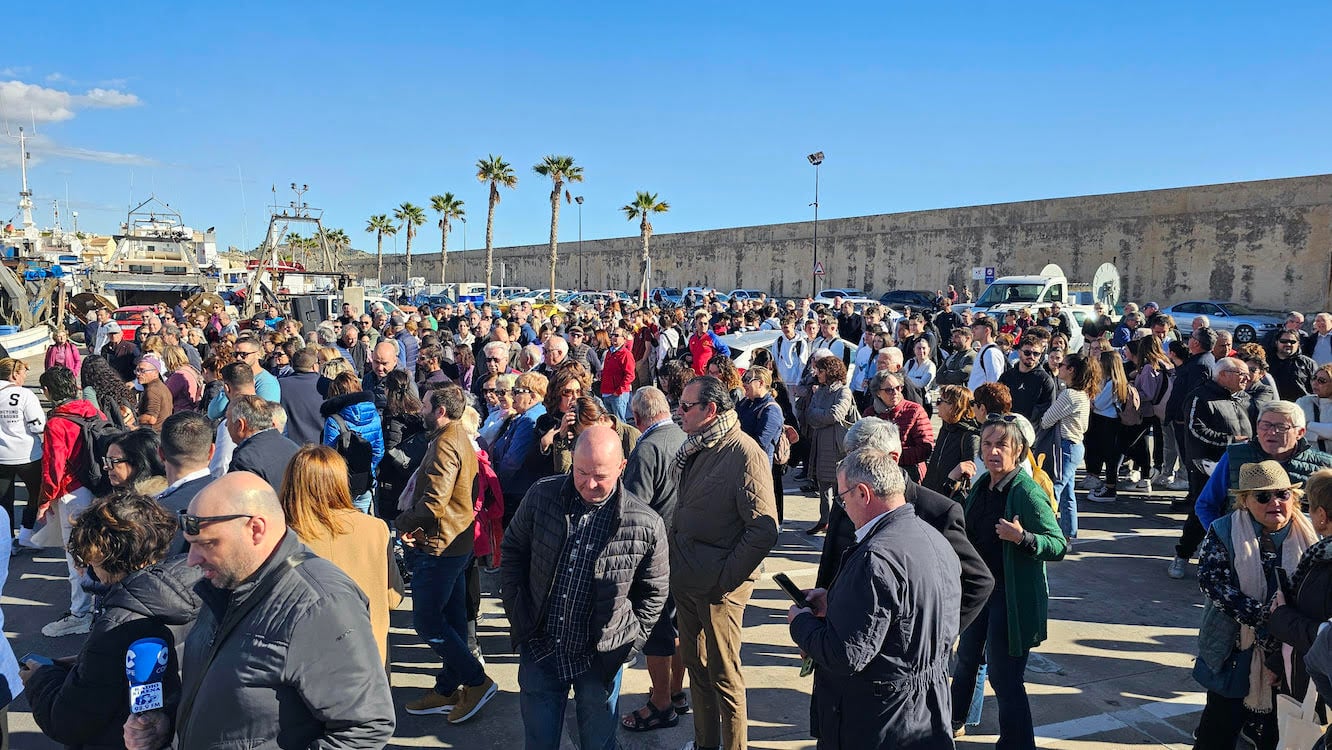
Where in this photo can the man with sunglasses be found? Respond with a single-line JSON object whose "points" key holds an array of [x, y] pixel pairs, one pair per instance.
{"points": [[155, 400], [250, 352], [1031, 386], [1292, 371], [725, 524], [282, 647]]}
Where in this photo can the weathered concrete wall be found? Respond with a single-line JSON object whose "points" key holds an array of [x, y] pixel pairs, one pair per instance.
{"points": [[1267, 243]]}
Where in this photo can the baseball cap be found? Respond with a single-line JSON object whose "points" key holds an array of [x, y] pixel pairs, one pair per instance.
{"points": [[113, 327]]}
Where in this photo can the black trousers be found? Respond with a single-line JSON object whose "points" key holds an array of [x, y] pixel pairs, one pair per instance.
{"points": [[1103, 452], [1221, 720], [777, 493], [31, 476], [1193, 532]]}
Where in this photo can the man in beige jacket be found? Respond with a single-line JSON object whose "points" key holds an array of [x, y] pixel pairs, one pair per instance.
{"points": [[725, 524]]}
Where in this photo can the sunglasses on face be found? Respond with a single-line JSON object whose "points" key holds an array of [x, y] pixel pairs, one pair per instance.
{"points": [[522, 391], [192, 524], [685, 406], [1266, 496], [243, 355], [1288, 341], [1030, 353]]}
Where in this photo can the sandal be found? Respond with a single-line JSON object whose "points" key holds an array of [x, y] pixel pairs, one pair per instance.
{"points": [[680, 702], [656, 719]]}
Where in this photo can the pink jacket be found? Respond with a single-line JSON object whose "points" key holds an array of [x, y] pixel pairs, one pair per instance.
{"points": [[66, 354]]}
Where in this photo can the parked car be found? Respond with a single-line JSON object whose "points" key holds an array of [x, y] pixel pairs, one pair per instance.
{"points": [[916, 299], [701, 291], [848, 294], [431, 301], [130, 317], [666, 295], [746, 294], [1246, 324]]}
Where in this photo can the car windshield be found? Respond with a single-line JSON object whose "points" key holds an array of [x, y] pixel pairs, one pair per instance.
{"points": [[999, 294], [126, 314], [1235, 308]]}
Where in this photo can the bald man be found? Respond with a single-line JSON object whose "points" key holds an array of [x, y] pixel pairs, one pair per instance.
{"points": [[282, 654], [575, 619]]}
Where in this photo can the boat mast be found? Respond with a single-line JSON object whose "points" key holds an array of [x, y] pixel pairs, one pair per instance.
{"points": [[25, 195]]}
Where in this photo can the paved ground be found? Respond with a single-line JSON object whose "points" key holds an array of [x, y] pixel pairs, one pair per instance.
{"points": [[1114, 673]]}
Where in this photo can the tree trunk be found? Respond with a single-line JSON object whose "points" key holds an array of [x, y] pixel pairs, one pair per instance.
{"points": [[643, 283], [490, 236], [408, 278], [379, 243], [443, 248], [554, 234]]}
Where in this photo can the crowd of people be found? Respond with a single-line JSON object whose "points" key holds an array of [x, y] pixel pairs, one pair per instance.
{"points": [[261, 496]]}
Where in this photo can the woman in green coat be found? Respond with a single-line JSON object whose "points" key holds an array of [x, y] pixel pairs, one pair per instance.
{"points": [[1012, 527]]}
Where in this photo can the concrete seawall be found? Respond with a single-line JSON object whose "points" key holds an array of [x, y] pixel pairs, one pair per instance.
{"points": [[1267, 243]]}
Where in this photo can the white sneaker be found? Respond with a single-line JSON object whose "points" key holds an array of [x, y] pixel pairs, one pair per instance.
{"points": [[1103, 495], [70, 624], [1177, 567], [1090, 482], [25, 538], [1134, 476]]}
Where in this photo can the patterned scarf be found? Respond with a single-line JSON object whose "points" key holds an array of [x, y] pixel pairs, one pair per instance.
{"points": [[1249, 567], [708, 437]]}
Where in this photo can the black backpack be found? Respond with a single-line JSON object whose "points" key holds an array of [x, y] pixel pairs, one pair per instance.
{"points": [[97, 434], [359, 455]]}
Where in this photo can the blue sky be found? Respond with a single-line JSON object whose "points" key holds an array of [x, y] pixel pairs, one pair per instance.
{"points": [[714, 108]]}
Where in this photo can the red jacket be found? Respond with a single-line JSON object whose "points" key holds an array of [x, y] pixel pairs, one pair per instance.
{"points": [[913, 424], [63, 456], [617, 372], [489, 509]]}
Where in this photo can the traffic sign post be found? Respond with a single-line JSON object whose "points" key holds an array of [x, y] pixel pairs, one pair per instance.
{"points": [[818, 268], [989, 275]]}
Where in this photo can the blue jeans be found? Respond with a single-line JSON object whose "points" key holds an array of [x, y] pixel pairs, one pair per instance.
{"points": [[362, 502], [1071, 453], [617, 405], [977, 698], [542, 697], [987, 637], [439, 614]]}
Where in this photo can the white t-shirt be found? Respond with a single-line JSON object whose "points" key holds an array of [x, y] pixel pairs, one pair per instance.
{"points": [[21, 423]]}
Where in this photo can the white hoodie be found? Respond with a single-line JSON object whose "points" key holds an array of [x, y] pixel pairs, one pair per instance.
{"points": [[21, 423]]}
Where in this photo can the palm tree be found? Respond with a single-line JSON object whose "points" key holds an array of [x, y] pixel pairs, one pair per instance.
{"points": [[494, 170], [644, 203], [448, 207], [295, 243], [559, 169], [411, 217], [335, 241], [380, 225]]}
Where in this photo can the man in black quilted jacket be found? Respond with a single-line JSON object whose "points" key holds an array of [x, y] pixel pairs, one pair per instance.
{"points": [[584, 578]]}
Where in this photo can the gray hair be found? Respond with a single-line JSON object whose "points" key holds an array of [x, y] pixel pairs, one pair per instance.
{"points": [[506, 381], [1286, 409], [257, 413], [874, 468], [712, 391], [1222, 364], [648, 402], [1012, 432], [325, 335], [1224, 336], [893, 353], [497, 348], [557, 343], [874, 433]]}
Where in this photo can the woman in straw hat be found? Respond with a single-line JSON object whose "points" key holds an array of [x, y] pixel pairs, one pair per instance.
{"points": [[1244, 559]]}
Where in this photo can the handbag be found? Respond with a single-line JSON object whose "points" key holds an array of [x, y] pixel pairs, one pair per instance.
{"points": [[1297, 723], [1047, 444], [1232, 681]]}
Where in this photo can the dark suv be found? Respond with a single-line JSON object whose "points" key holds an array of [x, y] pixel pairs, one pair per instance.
{"points": [[916, 299]]}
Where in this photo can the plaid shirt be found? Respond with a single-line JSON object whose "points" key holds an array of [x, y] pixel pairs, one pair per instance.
{"points": [[566, 632]]}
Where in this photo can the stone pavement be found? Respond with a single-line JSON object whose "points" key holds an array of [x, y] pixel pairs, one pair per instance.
{"points": [[1113, 674]]}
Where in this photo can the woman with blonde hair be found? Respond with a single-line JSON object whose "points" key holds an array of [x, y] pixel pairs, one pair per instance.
{"points": [[184, 382], [318, 505]]}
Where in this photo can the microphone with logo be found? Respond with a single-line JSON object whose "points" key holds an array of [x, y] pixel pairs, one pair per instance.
{"points": [[145, 664]]}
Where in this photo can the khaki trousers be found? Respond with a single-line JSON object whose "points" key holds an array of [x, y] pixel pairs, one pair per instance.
{"points": [[710, 645]]}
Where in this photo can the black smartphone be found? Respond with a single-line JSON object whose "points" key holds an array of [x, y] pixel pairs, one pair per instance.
{"points": [[45, 661], [791, 590]]}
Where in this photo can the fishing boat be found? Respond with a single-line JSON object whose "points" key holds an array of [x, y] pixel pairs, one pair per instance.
{"points": [[157, 259]]}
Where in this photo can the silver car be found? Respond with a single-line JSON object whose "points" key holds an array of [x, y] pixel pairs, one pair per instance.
{"points": [[1247, 325]]}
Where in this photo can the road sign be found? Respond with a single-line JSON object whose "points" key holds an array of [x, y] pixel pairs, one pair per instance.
{"points": [[989, 274], [977, 273], [818, 268]]}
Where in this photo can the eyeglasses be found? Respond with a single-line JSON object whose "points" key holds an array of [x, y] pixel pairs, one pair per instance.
{"points": [[1323, 380], [1288, 341], [1277, 429], [891, 389], [1030, 352], [109, 463], [521, 391], [1267, 496], [243, 355], [192, 524], [1005, 418], [838, 497], [494, 359], [686, 406]]}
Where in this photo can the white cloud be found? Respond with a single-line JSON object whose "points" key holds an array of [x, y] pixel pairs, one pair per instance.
{"points": [[55, 77], [29, 102], [13, 72], [43, 148]]}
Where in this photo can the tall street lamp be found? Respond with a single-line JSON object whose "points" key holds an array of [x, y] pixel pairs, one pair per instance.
{"points": [[581, 282], [816, 159]]}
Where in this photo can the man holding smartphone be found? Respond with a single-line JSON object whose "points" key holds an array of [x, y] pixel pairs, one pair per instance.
{"points": [[881, 635]]}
